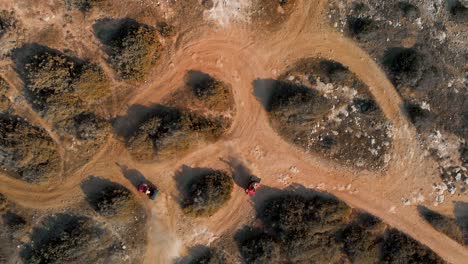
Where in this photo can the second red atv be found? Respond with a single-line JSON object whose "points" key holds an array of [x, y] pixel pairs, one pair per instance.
{"points": [[151, 192], [254, 183]]}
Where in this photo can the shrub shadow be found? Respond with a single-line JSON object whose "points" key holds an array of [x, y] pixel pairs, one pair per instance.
{"points": [[92, 188], [241, 175], [195, 78], [185, 176], [125, 126], [134, 176], [108, 30], [49, 229], [263, 89]]}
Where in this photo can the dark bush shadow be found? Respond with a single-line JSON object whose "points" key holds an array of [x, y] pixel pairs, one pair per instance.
{"points": [[193, 254], [134, 176], [93, 186], [49, 229], [246, 233], [266, 193], [241, 175], [13, 221], [195, 78], [109, 31], [278, 93], [185, 175], [461, 216], [263, 89], [125, 126]]}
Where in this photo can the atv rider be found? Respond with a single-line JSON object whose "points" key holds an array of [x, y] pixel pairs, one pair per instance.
{"points": [[252, 188]]}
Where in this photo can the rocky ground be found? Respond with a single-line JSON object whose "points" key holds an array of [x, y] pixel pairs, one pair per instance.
{"points": [[422, 47], [322, 107]]}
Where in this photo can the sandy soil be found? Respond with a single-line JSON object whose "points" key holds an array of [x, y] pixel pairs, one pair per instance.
{"points": [[238, 56]]}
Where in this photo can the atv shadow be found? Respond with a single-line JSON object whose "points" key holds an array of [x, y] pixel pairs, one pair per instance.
{"points": [[240, 173], [135, 176]]}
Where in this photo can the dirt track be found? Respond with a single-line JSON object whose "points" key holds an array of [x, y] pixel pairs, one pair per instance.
{"points": [[237, 56]]}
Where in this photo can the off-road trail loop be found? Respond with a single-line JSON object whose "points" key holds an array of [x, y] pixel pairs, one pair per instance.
{"points": [[238, 56]]}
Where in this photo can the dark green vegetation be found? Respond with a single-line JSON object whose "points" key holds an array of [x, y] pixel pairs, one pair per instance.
{"points": [[322, 107], [4, 101], [203, 92], [59, 86], [444, 224], [66, 91], [28, 152], [322, 229], [207, 193], [112, 201], [109, 199], [66, 238], [132, 47], [166, 130]]}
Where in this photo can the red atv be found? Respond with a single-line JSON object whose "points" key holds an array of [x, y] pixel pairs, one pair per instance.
{"points": [[151, 192], [254, 183]]}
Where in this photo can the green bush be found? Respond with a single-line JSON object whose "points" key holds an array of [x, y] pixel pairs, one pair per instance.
{"points": [[60, 87], [29, 152], [208, 193], [112, 201], [399, 248], [167, 131], [132, 47], [67, 239], [260, 249]]}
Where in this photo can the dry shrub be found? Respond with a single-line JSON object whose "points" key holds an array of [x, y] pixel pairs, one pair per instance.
{"points": [[60, 87], [28, 151], [168, 131], [400, 248], [67, 239], [166, 30], [82, 5], [4, 101], [322, 229], [7, 21], [4, 203], [260, 249], [214, 94], [86, 126], [443, 224], [132, 47], [207, 193], [112, 201]]}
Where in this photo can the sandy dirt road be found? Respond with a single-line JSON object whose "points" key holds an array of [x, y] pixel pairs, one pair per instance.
{"points": [[239, 56]]}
